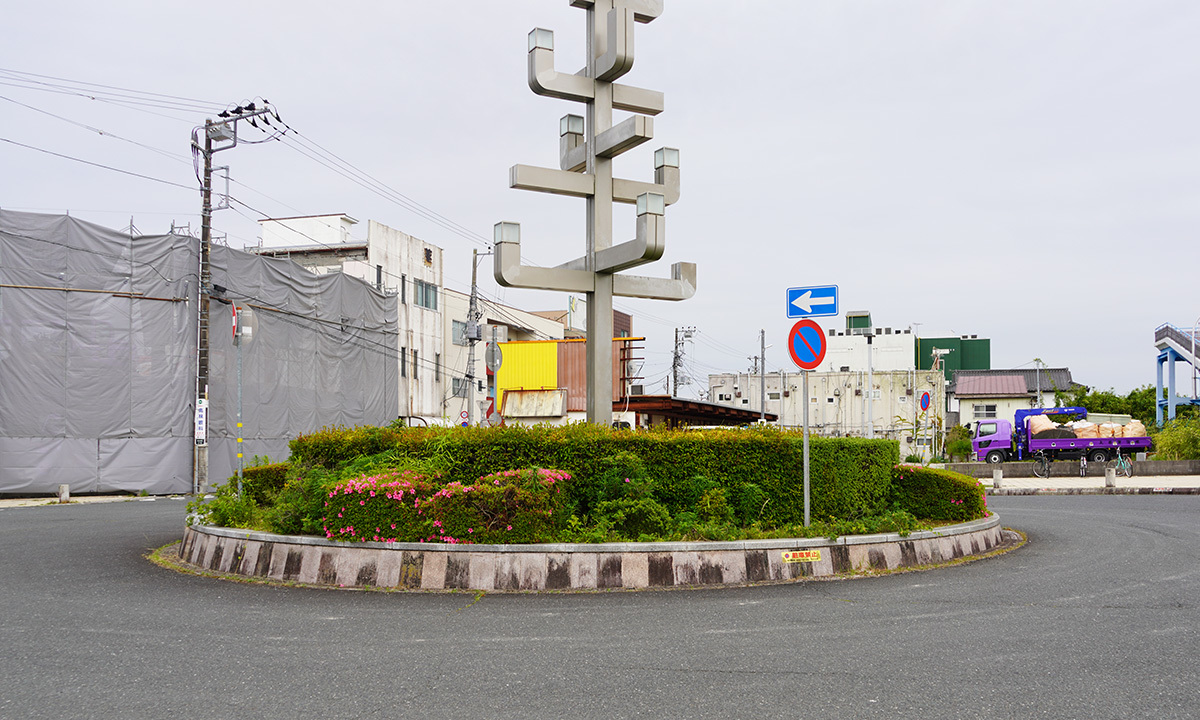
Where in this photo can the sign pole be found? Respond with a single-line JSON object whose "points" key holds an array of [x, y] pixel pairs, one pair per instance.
{"points": [[805, 412]]}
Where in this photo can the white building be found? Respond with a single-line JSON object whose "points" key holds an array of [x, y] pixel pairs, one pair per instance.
{"points": [[866, 385], [888, 350], [840, 404], [394, 262]]}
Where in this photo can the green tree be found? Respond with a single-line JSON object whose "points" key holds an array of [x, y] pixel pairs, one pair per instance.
{"points": [[958, 442], [1139, 402]]}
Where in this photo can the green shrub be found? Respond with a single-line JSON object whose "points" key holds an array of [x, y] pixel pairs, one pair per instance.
{"points": [[850, 477], [226, 509], [934, 494], [299, 507], [379, 508], [330, 447], [263, 482], [1178, 440], [634, 518], [749, 502]]}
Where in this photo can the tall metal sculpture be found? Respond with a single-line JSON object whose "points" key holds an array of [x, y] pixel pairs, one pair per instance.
{"points": [[587, 147]]}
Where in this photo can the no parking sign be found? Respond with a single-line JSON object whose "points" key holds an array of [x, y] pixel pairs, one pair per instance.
{"points": [[806, 344]]}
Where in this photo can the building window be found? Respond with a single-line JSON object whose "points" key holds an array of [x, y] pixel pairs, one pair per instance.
{"points": [[403, 289], [772, 396], [414, 363], [458, 332], [459, 386], [724, 397], [437, 367], [829, 400], [985, 411], [428, 256], [403, 362], [425, 294]]}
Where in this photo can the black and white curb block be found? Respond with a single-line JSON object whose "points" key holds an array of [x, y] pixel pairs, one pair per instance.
{"points": [[567, 567]]}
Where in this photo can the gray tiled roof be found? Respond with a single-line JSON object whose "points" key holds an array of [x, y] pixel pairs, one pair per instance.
{"points": [[990, 386], [1051, 378]]}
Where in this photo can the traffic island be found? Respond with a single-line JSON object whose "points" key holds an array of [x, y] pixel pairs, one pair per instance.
{"points": [[572, 567]]}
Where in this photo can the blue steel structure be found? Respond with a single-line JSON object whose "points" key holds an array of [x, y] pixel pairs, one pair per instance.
{"points": [[1173, 345]]}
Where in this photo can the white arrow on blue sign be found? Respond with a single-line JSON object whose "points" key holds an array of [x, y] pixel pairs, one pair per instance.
{"points": [[814, 301]]}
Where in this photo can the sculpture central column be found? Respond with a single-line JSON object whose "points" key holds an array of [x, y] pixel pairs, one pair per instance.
{"points": [[599, 231], [587, 146]]}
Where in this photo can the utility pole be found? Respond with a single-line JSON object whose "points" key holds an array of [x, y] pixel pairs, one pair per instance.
{"points": [[762, 376], [200, 470], [870, 386], [224, 131], [681, 335], [474, 335]]}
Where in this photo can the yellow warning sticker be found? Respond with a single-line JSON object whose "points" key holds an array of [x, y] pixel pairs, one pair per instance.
{"points": [[795, 556]]}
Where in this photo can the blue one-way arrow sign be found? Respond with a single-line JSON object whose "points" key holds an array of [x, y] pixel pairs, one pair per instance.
{"points": [[814, 301]]}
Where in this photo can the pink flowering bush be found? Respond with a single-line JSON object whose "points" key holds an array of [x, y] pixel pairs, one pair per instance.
{"points": [[379, 508], [513, 506]]}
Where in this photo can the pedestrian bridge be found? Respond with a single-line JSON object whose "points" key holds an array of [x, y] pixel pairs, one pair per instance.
{"points": [[1174, 344]]}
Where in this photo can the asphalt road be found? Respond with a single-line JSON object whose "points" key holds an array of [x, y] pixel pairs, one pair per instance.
{"points": [[1095, 618]]}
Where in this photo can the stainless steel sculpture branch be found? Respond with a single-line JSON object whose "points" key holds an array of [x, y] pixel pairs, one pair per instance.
{"points": [[587, 146]]}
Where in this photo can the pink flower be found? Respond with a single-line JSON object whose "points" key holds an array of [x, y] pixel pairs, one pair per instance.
{"points": [[510, 527]]}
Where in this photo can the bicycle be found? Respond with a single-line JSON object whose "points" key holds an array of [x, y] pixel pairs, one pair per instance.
{"points": [[1122, 464], [1041, 465]]}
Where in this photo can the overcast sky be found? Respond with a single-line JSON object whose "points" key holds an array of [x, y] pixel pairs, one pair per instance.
{"points": [[1022, 170]]}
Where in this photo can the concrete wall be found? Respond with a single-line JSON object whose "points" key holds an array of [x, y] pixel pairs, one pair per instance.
{"points": [[1070, 468]]}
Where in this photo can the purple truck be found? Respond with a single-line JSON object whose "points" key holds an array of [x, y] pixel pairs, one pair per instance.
{"points": [[997, 441]]}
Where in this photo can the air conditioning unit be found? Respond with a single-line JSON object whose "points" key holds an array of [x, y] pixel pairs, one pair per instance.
{"points": [[857, 392], [637, 389]]}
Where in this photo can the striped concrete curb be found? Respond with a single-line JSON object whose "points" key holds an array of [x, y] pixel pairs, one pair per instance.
{"points": [[570, 567]]}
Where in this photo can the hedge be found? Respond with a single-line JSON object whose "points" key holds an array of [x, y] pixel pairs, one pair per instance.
{"points": [[850, 477], [262, 483], [934, 494]]}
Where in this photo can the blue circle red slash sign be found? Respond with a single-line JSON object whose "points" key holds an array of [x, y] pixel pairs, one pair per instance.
{"points": [[806, 344], [925, 401]]}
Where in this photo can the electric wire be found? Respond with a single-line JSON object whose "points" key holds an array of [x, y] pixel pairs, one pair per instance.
{"points": [[99, 165]]}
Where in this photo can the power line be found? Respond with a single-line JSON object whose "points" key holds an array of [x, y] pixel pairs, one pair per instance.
{"points": [[97, 91], [99, 165]]}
